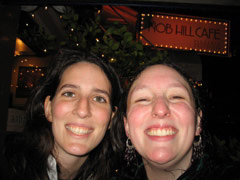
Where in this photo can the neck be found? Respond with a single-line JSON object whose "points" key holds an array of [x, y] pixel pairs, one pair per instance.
{"points": [[154, 173], [69, 166], [167, 171]]}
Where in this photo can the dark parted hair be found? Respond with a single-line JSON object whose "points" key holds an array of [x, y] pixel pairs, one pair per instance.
{"points": [[39, 140]]}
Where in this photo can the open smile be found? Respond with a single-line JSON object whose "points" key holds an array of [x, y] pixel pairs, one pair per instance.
{"points": [[79, 130], [161, 131]]}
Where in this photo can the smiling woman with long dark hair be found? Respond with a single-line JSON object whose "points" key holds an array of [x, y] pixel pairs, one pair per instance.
{"points": [[69, 115]]}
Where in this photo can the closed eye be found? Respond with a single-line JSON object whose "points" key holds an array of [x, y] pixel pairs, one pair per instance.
{"points": [[140, 100], [143, 100], [177, 97]]}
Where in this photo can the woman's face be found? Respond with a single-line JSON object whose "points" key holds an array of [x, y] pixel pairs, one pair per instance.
{"points": [[80, 111], [161, 120]]}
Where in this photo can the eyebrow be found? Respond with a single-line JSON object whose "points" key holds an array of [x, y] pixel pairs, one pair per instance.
{"points": [[101, 91], [69, 86], [137, 88], [179, 85], [78, 87], [182, 85], [173, 85]]}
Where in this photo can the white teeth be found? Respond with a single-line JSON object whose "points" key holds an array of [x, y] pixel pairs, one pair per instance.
{"points": [[160, 132], [79, 130]]}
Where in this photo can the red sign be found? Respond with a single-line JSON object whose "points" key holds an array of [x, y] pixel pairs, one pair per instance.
{"points": [[185, 33]]}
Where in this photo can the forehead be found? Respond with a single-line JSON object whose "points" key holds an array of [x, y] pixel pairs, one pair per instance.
{"points": [[83, 68], [87, 71], [158, 74]]}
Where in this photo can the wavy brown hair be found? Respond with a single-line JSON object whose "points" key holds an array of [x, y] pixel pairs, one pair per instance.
{"points": [[38, 137]]}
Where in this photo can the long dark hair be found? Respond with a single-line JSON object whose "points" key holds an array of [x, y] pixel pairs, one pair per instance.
{"points": [[38, 133]]}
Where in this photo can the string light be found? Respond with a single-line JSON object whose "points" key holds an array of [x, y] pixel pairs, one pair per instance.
{"points": [[29, 70], [112, 60], [196, 83]]}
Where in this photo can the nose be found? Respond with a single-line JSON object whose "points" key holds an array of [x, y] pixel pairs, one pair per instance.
{"points": [[82, 108], [160, 108]]}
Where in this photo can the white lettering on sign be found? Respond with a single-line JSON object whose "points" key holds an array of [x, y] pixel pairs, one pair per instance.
{"points": [[186, 33]]}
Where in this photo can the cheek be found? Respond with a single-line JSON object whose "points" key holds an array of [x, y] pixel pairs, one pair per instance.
{"points": [[185, 113], [102, 116], [59, 109], [135, 117], [101, 119]]}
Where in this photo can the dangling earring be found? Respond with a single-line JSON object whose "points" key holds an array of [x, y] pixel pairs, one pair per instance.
{"points": [[197, 148], [130, 154]]}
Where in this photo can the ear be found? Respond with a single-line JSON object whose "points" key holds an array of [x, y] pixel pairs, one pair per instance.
{"points": [[198, 124], [112, 115], [48, 108], [126, 126], [114, 112]]}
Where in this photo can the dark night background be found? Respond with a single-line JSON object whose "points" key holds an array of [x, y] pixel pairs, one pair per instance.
{"points": [[220, 75]]}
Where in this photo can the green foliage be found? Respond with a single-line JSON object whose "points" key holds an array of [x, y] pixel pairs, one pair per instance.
{"points": [[112, 42], [38, 40], [87, 31]]}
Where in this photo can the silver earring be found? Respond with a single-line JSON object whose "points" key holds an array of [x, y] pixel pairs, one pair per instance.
{"points": [[130, 154], [197, 148], [198, 140]]}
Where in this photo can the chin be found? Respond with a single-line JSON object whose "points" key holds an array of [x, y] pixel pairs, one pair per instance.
{"points": [[161, 157], [78, 150]]}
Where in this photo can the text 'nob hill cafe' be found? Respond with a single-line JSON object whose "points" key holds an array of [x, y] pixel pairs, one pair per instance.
{"points": [[204, 35]]}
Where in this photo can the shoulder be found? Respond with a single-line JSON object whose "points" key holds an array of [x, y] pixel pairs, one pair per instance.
{"points": [[13, 154], [216, 170], [21, 160], [226, 170], [15, 164]]}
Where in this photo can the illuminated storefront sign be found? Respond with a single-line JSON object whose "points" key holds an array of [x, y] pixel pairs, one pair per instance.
{"points": [[185, 33]]}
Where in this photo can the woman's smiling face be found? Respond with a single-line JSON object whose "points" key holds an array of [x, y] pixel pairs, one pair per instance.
{"points": [[161, 119], [80, 111]]}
